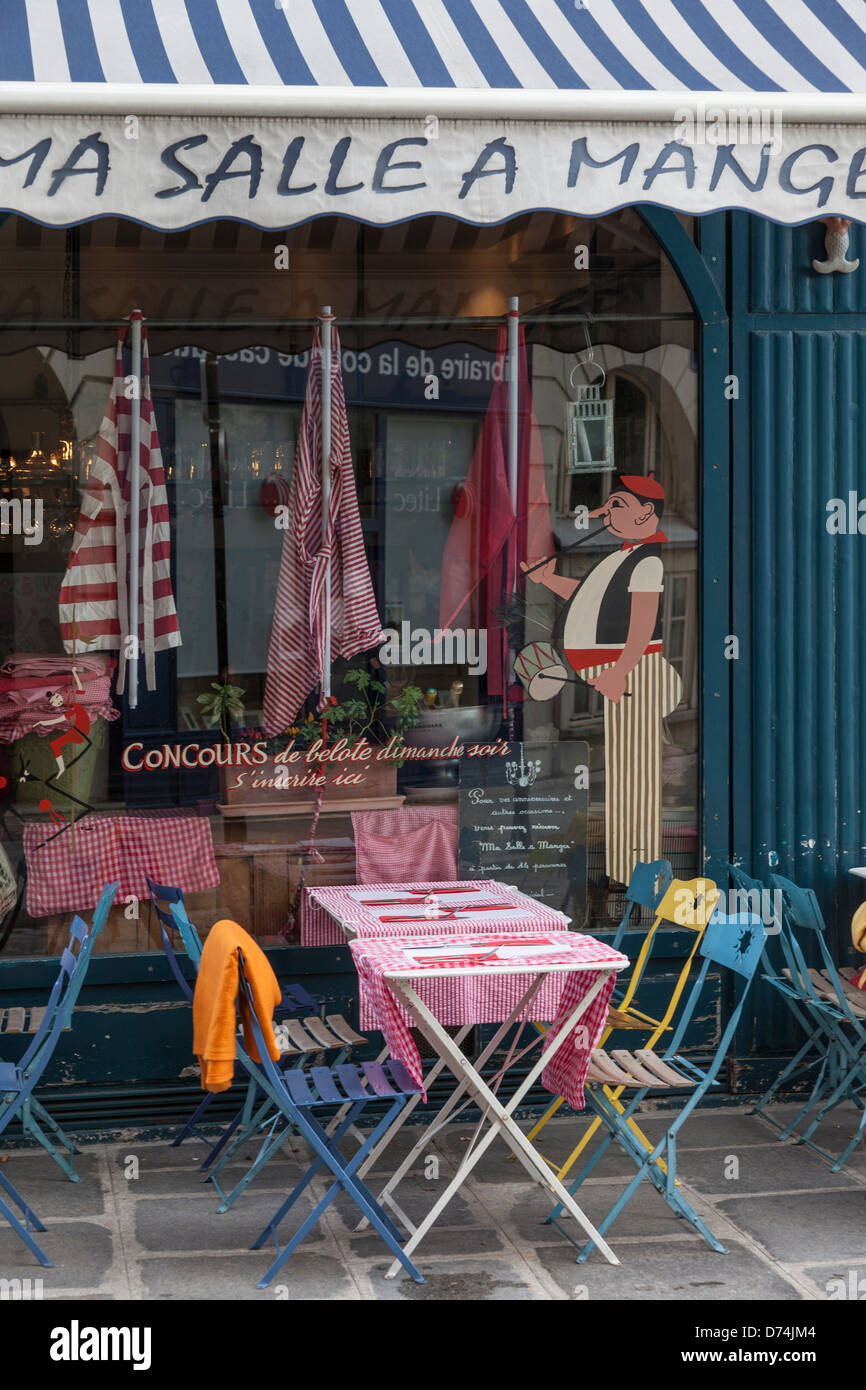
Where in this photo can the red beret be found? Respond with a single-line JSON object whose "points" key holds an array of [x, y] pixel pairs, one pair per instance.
{"points": [[642, 486]]}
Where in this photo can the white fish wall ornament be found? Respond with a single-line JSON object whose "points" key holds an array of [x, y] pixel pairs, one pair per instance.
{"points": [[836, 247]]}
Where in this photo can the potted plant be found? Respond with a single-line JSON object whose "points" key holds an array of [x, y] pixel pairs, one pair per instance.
{"points": [[224, 707], [344, 744]]}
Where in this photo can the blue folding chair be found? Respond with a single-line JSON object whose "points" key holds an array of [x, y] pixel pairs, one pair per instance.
{"points": [[33, 1111], [308, 1035], [17, 1080], [845, 1007], [295, 1003], [816, 1059], [735, 943], [301, 1097]]}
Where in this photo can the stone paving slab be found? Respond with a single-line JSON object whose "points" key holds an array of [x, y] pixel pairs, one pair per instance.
{"points": [[278, 1175], [48, 1190], [646, 1210], [491, 1281], [779, 1167], [309, 1275], [681, 1271], [441, 1240], [415, 1197], [80, 1252], [159, 1221], [823, 1225], [790, 1225], [839, 1280]]}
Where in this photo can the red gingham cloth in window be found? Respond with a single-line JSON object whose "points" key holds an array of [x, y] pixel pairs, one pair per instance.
{"points": [[483, 993], [170, 848], [320, 906], [424, 837]]}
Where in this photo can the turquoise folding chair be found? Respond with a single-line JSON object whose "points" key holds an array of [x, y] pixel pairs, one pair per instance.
{"points": [[816, 1059], [301, 1097], [845, 1008], [32, 1113], [18, 1079], [734, 943]]}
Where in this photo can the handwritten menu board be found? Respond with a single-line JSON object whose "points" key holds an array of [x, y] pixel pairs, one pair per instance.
{"points": [[523, 821]]}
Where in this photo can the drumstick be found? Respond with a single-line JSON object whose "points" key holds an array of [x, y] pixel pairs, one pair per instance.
{"points": [[575, 680]]}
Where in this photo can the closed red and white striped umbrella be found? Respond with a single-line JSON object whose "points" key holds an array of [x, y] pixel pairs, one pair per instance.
{"points": [[94, 593], [304, 634]]}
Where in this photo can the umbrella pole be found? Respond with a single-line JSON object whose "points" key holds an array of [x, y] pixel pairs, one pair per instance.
{"points": [[513, 425], [135, 321], [513, 401], [327, 320]]}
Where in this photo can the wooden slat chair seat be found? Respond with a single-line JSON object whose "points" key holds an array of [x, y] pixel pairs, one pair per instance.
{"points": [[312, 1034], [23, 1020], [856, 997], [825, 989], [617, 1018], [640, 1068], [322, 1034], [344, 1031]]}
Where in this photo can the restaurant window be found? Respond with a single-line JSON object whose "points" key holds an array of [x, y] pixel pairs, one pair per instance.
{"points": [[421, 310]]}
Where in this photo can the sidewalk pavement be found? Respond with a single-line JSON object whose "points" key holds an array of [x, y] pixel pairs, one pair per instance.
{"points": [[141, 1225]]}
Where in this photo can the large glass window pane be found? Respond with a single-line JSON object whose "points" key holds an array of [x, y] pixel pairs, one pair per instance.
{"points": [[419, 309]]}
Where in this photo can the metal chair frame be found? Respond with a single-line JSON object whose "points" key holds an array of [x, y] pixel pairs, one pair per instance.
{"points": [[670, 906], [830, 993], [17, 1080], [311, 1036], [735, 943], [813, 1016], [33, 1114], [646, 889], [298, 1095]]}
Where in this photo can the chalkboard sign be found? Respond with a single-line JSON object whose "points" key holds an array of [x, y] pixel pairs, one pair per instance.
{"points": [[523, 821]]}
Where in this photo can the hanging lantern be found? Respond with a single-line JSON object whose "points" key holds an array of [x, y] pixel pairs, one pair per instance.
{"points": [[589, 432]]}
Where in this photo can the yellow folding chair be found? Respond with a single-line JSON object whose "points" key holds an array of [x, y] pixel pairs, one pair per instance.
{"points": [[688, 903]]}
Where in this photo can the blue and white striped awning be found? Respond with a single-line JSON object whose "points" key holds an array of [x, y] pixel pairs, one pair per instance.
{"points": [[596, 45], [272, 112]]}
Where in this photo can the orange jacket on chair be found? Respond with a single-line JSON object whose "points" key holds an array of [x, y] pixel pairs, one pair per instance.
{"points": [[214, 1019]]}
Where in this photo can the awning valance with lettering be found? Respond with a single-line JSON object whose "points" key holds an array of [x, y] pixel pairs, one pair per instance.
{"points": [[176, 112]]}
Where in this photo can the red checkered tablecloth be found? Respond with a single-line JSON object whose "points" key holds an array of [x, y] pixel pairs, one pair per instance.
{"points": [[485, 988], [325, 908], [171, 848]]}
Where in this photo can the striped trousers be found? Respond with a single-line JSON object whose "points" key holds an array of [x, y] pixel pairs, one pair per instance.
{"points": [[633, 763]]}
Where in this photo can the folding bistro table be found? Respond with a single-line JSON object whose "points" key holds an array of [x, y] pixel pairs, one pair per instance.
{"points": [[491, 977], [343, 912]]}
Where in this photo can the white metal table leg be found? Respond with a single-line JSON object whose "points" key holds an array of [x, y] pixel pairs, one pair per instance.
{"points": [[409, 1107], [501, 1117], [457, 1094], [384, 1195]]}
